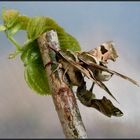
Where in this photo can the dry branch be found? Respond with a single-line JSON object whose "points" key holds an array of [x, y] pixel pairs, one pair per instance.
{"points": [[63, 96]]}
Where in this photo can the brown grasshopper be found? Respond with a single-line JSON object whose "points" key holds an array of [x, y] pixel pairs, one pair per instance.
{"points": [[93, 65]]}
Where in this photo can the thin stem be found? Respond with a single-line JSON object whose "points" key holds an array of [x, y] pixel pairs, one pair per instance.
{"points": [[13, 41]]}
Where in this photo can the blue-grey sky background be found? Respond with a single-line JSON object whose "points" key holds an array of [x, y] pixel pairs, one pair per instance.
{"points": [[25, 114]]}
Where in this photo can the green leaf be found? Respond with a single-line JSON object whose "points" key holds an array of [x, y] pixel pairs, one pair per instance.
{"points": [[35, 75], [10, 17], [14, 54], [67, 41], [36, 78], [23, 21], [14, 21], [38, 25], [12, 31], [31, 53], [2, 28]]}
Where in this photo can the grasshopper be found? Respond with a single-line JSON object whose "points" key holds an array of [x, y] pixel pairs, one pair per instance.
{"points": [[93, 65]]}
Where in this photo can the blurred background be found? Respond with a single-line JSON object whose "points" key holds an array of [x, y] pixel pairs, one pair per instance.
{"points": [[24, 114]]}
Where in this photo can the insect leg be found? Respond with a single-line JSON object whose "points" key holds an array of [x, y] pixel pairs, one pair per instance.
{"points": [[92, 86], [59, 65], [63, 77]]}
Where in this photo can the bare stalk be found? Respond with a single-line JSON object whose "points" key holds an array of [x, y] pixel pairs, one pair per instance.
{"points": [[63, 96]]}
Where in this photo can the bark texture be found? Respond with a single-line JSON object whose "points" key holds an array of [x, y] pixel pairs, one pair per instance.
{"points": [[63, 97]]}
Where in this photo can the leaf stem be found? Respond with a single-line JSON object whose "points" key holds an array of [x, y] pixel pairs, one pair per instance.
{"points": [[18, 47]]}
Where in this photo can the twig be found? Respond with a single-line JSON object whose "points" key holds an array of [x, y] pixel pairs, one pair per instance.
{"points": [[63, 96]]}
